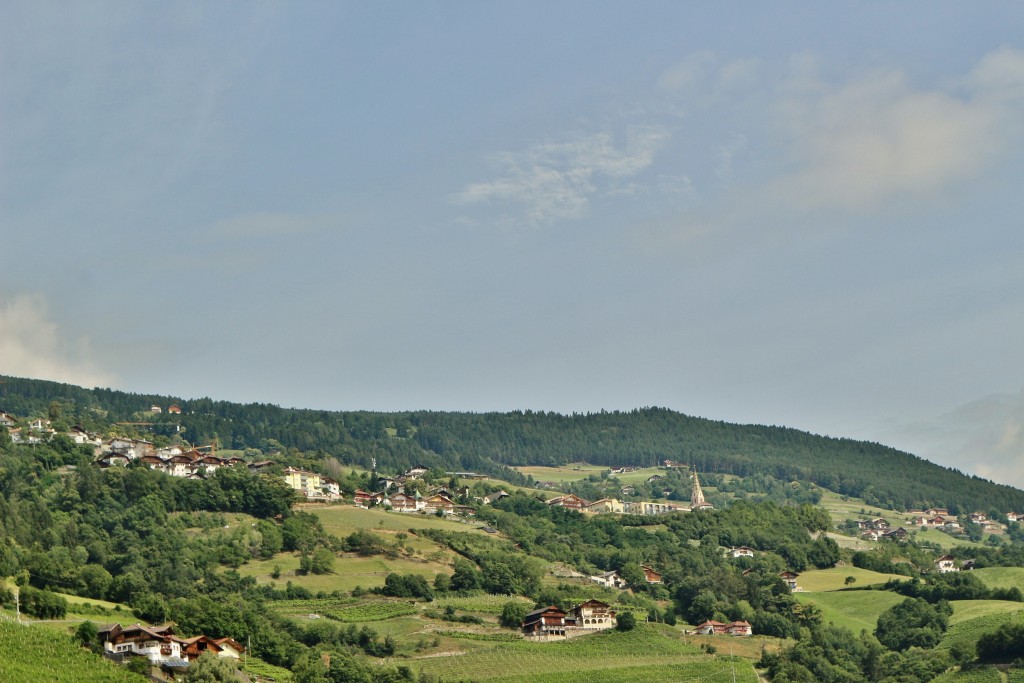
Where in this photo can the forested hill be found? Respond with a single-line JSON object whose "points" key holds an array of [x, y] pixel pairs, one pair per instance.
{"points": [[491, 442]]}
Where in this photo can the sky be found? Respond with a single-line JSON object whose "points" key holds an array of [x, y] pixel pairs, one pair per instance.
{"points": [[794, 213]]}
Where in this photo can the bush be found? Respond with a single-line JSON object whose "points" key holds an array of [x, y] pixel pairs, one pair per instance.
{"points": [[625, 621]]}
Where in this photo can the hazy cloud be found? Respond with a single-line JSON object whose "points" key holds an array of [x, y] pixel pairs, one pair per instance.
{"points": [[555, 181], [32, 345], [983, 437], [877, 137]]}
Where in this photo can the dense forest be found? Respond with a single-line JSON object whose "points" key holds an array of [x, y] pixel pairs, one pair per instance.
{"points": [[493, 442]]}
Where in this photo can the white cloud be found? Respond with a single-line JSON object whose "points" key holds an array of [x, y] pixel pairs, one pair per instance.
{"points": [[32, 345], [555, 181], [858, 144]]}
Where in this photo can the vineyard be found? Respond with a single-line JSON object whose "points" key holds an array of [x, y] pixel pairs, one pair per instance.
{"points": [[257, 666], [372, 611], [30, 654], [646, 653], [985, 675]]}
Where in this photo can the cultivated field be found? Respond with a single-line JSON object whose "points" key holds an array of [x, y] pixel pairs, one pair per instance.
{"points": [[31, 654]]}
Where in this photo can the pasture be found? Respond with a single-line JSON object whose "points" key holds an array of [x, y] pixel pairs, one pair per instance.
{"points": [[854, 610], [820, 580]]}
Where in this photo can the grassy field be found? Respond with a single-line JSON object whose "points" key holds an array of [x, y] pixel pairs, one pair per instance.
{"points": [[854, 610], [1001, 577], [646, 653], [571, 472], [943, 539], [342, 520], [820, 580], [349, 571], [31, 654], [972, 618]]}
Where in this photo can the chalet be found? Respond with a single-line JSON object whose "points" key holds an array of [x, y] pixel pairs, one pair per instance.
{"points": [[403, 502], [439, 503], [650, 575], [967, 565], [7, 420], [569, 500], [940, 512], [739, 628], [871, 535], [547, 623], [592, 615], [113, 459], [229, 647], [464, 510], [627, 491], [156, 643], [946, 564], [132, 448], [880, 524], [192, 648], [174, 409], [38, 424], [978, 517], [260, 465], [789, 578], [609, 580], [952, 525], [416, 472], [897, 534], [80, 436], [742, 551], [712, 628], [654, 477], [155, 409], [362, 498], [1015, 516], [492, 498]]}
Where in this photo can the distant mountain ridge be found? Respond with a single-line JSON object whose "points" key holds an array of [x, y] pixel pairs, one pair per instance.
{"points": [[493, 442]]}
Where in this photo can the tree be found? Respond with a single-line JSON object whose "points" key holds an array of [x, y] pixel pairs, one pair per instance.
{"points": [[625, 621], [210, 668], [913, 622], [849, 580], [88, 635], [513, 613]]}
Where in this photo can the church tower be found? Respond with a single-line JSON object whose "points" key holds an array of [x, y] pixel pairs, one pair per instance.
{"points": [[697, 494]]}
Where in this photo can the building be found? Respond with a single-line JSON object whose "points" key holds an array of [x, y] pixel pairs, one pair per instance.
{"points": [[158, 644], [546, 623], [591, 615], [650, 575], [946, 564], [789, 578], [697, 501], [609, 580], [742, 551], [569, 500]]}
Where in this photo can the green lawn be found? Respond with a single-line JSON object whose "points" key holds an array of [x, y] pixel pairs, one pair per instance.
{"points": [[855, 610], [819, 580], [1001, 577]]}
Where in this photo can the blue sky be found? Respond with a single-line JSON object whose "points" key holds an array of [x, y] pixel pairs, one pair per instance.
{"points": [[798, 213]]}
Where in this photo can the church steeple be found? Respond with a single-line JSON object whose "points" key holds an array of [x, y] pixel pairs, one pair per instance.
{"points": [[697, 494]]}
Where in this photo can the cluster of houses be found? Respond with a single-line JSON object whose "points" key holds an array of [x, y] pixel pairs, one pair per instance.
{"points": [[613, 580], [161, 646], [641, 507], [40, 430], [880, 529], [718, 628], [440, 499], [551, 623]]}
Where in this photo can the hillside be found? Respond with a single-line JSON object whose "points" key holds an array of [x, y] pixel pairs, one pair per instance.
{"points": [[494, 442]]}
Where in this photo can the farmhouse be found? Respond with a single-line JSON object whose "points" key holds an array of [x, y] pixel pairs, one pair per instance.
{"points": [[591, 615], [789, 578], [742, 551], [609, 580], [569, 500], [946, 564], [650, 575], [546, 623]]}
